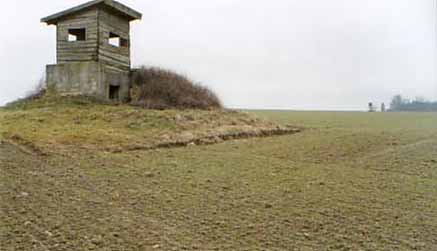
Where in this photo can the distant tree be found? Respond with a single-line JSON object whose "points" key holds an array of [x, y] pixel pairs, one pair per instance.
{"points": [[397, 102], [371, 108], [420, 99], [419, 104]]}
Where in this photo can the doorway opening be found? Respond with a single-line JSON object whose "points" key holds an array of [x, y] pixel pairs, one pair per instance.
{"points": [[114, 92]]}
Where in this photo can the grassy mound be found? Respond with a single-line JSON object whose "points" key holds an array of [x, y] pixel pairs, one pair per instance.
{"points": [[77, 123], [158, 88], [51, 99]]}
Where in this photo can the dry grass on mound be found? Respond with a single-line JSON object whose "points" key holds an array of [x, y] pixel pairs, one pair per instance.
{"points": [[157, 88], [72, 126]]}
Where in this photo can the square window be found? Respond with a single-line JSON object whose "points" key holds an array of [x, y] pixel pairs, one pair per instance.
{"points": [[76, 35], [117, 41]]}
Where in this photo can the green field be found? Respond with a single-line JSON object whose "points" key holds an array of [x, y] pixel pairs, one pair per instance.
{"points": [[349, 181]]}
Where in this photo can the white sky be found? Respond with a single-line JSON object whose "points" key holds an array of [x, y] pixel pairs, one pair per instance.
{"points": [[287, 54]]}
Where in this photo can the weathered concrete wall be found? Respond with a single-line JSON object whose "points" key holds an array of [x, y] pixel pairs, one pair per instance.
{"points": [[113, 76], [76, 78], [87, 78]]}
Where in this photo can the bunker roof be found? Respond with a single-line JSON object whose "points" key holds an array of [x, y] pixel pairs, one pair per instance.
{"points": [[119, 8]]}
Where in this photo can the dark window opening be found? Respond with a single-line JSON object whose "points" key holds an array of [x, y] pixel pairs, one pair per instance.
{"points": [[114, 92], [76, 35], [124, 42], [117, 41]]}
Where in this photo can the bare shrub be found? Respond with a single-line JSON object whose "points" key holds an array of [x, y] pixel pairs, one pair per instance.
{"points": [[157, 88], [37, 92]]}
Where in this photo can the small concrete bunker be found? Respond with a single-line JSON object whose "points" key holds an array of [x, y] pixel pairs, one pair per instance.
{"points": [[93, 50]]}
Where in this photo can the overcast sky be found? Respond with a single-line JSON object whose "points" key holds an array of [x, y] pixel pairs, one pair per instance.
{"points": [[286, 54]]}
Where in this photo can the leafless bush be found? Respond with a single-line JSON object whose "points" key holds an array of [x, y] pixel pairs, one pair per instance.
{"points": [[38, 91], [157, 88]]}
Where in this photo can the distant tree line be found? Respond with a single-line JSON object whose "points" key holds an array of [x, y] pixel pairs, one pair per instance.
{"points": [[419, 104]]}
